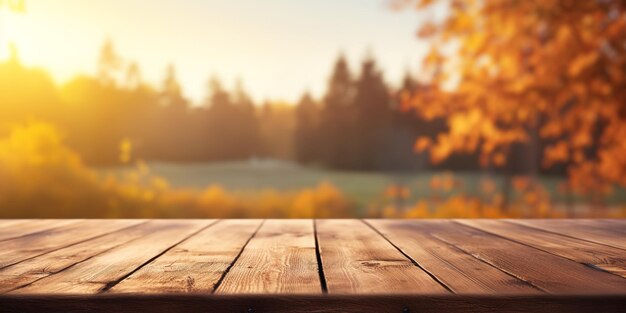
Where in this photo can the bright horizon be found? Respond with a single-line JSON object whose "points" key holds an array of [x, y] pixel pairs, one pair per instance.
{"points": [[279, 48]]}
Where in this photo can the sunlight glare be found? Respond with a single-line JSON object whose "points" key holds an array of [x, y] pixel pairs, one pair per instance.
{"points": [[12, 27]]}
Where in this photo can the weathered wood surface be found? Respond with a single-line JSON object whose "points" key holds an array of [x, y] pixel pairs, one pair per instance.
{"points": [[298, 265], [358, 260], [459, 271], [597, 255], [545, 271], [101, 271], [195, 265], [612, 234], [40, 242], [280, 258], [17, 228]]}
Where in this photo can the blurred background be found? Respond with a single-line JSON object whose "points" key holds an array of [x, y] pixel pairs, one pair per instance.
{"points": [[277, 108]]}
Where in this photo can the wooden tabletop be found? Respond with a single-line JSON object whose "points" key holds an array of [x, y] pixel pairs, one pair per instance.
{"points": [[290, 265]]}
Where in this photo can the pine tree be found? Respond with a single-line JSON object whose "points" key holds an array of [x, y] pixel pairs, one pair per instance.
{"points": [[372, 104], [176, 129], [171, 94], [219, 127], [109, 63], [337, 118], [246, 137], [306, 130]]}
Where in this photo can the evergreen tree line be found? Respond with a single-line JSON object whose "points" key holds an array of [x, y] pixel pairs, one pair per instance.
{"points": [[358, 124]]}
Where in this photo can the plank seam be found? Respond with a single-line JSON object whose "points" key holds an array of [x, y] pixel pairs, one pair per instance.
{"points": [[73, 264], [40, 231], [73, 244], [489, 263], [112, 284], [561, 234], [435, 278], [230, 266], [453, 246], [493, 265], [460, 270], [318, 255], [540, 249]]}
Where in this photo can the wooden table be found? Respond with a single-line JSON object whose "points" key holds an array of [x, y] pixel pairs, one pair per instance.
{"points": [[313, 265]]}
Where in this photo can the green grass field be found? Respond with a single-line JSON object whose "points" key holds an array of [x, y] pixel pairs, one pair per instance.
{"points": [[362, 187]]}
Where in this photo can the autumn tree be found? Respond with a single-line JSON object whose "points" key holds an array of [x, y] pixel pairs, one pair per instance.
{"points": [[17, 100], [505, 70]]}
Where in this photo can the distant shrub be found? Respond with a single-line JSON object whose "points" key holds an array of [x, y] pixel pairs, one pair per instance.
{"points": [[41, 177]]}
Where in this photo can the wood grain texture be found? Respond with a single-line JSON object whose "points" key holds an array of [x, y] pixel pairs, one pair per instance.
{"points": [[459, 271], [7, 222], [262, 263], [99, 272], [614, 225], [619, 224], [38, 243], [31, 270], [280, 258], [358, 260], [17, 228], [581, 229], [551, 273], [196, 264], [600, 256]]}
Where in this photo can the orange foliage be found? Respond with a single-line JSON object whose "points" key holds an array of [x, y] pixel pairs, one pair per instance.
{"points": [[550, 67], [40, 177], [397, 192], [529, 200], [463, 206]]}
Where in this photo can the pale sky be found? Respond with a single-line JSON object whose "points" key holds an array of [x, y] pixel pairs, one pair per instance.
{"points": [[278, 48]]}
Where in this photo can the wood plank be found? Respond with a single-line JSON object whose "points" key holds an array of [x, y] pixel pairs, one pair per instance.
{"points": [[618, 225], [604, 225], [9, 222], [621, 222], [551, 273], [601, 256], [306, 303], [25, 247], [195, 265], [579, 229], [356, 259], [461, 272], [17, 228], [280, 258], [31, 270], [106, 269]]}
